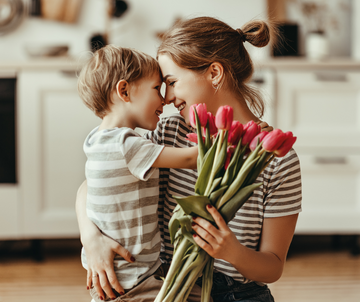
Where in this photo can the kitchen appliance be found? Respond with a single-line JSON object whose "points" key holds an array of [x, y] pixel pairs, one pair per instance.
{"points": [[7, 125]]}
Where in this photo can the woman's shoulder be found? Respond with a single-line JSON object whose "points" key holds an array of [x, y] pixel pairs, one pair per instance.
{"points": [[290, 160], [175, 120]]}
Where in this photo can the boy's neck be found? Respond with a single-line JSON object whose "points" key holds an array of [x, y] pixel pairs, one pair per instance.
{"points": [[112, 120]]}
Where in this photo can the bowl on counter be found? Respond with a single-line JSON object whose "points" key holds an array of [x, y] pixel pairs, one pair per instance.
{"points": [[41, 50]]}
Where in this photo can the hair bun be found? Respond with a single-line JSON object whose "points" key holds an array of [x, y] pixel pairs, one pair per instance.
{"points": [[257, 33], [242, 35]]}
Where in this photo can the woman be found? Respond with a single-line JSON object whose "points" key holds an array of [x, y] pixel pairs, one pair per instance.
{"points": [[203, 60]]}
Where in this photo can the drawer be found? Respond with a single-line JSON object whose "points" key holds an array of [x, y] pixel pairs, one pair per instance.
{"points": [[331, 192], [322, 108]]}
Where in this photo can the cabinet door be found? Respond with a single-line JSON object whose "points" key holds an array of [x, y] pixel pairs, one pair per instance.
{"points": [[331, 192], [322, 107], [53, 123]]}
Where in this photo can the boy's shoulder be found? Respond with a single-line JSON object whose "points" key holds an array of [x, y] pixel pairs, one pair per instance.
{"points": [[109, 135]]}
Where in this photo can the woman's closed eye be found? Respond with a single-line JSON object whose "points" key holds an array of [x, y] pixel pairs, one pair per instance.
{"points": [[172, 83]]}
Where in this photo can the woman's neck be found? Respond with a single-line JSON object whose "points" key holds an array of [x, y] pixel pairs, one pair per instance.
{"points": [[242, 113]]}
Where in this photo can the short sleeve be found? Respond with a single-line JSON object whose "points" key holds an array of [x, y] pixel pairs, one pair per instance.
{"points": [[282, 178], [139, 154]]}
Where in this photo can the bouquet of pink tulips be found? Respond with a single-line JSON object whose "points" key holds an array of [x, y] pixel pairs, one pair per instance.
{"points": [[231, 157]]}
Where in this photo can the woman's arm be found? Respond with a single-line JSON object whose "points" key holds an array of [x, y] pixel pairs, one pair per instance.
{"points": [[177, 158], [265, 265], [100, 250]]}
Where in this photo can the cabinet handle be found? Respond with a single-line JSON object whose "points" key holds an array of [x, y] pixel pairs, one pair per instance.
{"points": [[336, 160], [330, 77], [69, 73]]}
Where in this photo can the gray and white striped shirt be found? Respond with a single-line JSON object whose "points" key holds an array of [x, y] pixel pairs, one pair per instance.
{"points": [[122, 198], [280, 194]]}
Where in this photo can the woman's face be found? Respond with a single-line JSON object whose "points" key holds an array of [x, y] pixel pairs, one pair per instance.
{"points": [[185, 87]]}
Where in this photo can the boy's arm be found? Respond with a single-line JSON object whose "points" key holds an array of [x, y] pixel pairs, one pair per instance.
{"points": [[177, 158]]}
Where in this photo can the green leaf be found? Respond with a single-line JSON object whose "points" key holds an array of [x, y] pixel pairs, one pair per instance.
{"points": [[201, 144], [229, 173], [229, 209], [215, 183], [215, 196], [174, 222], [220, 161], [237, 183], [207, 137], [195, 205], [205, 172]]}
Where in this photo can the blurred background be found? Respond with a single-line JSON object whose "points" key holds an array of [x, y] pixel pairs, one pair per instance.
{"points": [[311, 85]]}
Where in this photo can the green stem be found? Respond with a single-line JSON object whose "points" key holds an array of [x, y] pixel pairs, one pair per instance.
{"points": [[175, 265], [212, 174]]}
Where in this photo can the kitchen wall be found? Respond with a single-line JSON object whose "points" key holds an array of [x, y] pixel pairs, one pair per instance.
{"points": [[137, 28]]}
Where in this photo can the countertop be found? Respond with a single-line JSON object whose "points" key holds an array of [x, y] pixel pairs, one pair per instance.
{"points": [[70, 64]]}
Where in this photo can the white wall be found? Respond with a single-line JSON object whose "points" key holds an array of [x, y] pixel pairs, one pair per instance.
{"points": [[137, 28]]}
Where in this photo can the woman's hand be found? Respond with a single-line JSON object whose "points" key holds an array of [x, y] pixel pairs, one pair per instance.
{"points": [[100, 251], [219, 243]]}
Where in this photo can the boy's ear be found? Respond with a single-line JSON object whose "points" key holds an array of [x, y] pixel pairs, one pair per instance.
{"points": [[122, 90], [215, 72]]}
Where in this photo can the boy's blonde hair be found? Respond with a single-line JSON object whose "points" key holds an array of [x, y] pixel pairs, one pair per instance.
{"points": [[108, 65]]}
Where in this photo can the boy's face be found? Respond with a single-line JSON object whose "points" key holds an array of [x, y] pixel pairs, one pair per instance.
{"points": [[146, 101]]}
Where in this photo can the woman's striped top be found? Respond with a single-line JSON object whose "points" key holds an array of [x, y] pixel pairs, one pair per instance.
{"points": [[280, 194]]}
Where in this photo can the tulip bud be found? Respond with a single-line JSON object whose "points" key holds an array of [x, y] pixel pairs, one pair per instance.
{"points": [[212, 126], [286, 145], [224, 118], [201, 112], [235, 132], [257, 138], [251, 130], [273, 140], [192, 137]]}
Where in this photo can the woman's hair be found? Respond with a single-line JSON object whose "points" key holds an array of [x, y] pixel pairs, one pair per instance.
{"points": [[107, 66], [196, 43]]}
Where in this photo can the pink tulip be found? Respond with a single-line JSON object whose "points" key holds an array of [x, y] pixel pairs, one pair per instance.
{"points": [[251, 130], [230, 151], [235, 132], [192, 137], [286, 145], [257, 138], [274, 140], [201, 112], [212, 126], [224, 118]]}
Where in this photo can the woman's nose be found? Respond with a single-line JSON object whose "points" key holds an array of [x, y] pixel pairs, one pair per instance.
{"points": [[169, 97]]}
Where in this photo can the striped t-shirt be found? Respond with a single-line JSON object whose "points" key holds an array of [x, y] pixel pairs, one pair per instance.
{"points": [[280, 194], [122, 198]]}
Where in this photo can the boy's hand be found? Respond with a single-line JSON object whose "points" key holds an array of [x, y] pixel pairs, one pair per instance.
{"points": [[264, 126]]}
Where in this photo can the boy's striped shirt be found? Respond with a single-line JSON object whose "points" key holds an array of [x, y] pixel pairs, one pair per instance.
{"points": [[122, 199]]}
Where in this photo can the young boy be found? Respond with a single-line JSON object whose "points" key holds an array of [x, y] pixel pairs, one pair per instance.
{"points": [[122, 86]]}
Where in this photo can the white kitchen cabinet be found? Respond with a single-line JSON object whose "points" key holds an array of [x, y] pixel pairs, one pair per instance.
{"points": [[322, 108], [52, 126]]}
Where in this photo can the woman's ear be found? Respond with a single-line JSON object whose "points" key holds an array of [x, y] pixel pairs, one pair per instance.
{"points": [[216, 73], [122, 90]]}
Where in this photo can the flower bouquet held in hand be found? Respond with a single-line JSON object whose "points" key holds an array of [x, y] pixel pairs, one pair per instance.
{"points": [[231, 157]]}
